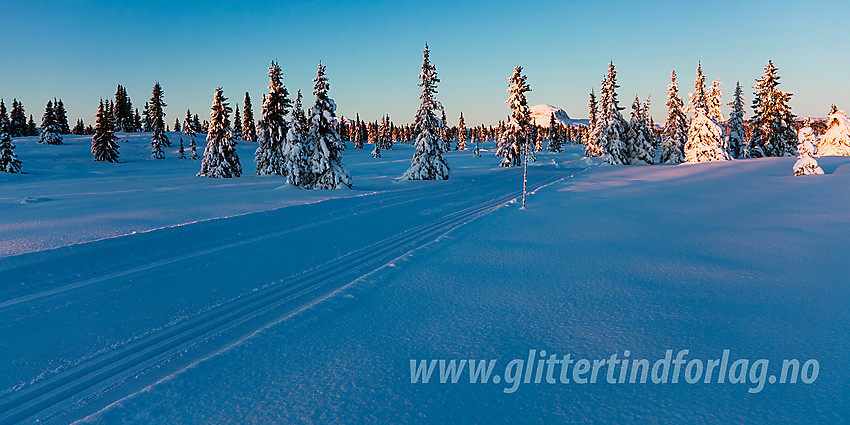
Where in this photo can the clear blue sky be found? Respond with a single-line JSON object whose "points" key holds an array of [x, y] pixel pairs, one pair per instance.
{"points": [[80, 50]]}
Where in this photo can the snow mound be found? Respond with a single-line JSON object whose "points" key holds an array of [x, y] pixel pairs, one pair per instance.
{"points": [[540, 115]]}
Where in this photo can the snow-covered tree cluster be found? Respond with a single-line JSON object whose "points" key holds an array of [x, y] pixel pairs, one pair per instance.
{"points": [[609, 135]]}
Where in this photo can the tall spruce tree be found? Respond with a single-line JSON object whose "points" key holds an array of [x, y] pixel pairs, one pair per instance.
{"points": [[736, 137], [126, 121], [237, 124], [326, 170], [103, 142], [18, 119], [5, 123], [31, 130], [249, 129], [156, 119], [61, 116], [515, 141], [773, 122], [50, 126], [699, 99], [675, 133], [272, 128], [385, 135], [295, 153], [461, 133], [137, 121], [220, 157], [9, 162], [611, 127], [640, 148], [189, 125], [177, 127], [427, 162]]}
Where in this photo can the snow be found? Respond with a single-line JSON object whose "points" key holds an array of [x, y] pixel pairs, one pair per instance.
{"points": [[602, 259]]}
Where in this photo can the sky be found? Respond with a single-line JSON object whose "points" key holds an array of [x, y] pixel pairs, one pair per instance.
{"points": [[80, 51]]}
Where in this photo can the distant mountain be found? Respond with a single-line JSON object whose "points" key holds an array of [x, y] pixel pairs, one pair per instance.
{"points": [[540, 115]]}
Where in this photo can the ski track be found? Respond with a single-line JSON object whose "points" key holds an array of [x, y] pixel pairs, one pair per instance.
{"points": [[88, 387]]}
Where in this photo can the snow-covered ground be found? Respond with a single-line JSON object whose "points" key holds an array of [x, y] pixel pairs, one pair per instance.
{"points": [[241, 301]]}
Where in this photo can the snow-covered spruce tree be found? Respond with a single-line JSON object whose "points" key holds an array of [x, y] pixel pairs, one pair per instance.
{"points": [[427, 162], [104, 144], [18, 119], [326, 170], [220, 158], [714, 101], [807, 152], [555, 139], [50, 134], [156, 120], [385, 135], [514, 140], [675, 132], [704, 140], [476, 138], [237, 124], [773, 122], [294, 155], [137, 121], [699, 99], [461, 133], [181, 153], [188, 125], [124, 111], [591, 148], [9, 162], [61, 116], [611, 127], [639, 145], [31, 130], [444, 130], [4, 118], [376, 150], [193, 148], [355, 133], [272, 128], [836, 140], [249, 129], [736, 137]]}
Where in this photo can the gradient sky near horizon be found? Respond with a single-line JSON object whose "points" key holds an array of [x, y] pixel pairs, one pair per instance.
{"points": [[80, 50]]}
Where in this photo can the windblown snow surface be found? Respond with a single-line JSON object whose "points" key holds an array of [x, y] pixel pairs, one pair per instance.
{"points": [[737, 255]]}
